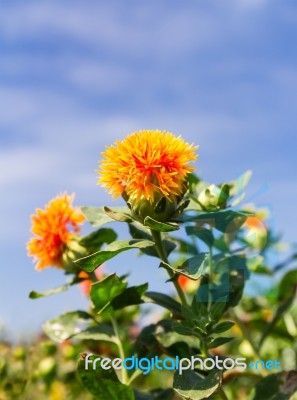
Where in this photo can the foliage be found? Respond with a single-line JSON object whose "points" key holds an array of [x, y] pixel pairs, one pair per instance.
{"points": [[211, 246]]}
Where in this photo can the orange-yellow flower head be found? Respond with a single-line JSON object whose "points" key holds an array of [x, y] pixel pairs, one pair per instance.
{"points": [[53, 229], [147, 165]]}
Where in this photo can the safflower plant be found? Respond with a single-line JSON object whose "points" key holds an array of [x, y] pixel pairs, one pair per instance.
{"points": [[208, 243]]}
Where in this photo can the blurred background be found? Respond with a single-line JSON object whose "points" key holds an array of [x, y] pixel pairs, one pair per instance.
{"points": [[77, 75]]}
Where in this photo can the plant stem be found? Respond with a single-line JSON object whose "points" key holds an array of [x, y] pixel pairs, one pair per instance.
{"points": [[93, 276], [210, 277], [160, 249], [135, 375], [120, 347], [205, 353], [222, 393]]}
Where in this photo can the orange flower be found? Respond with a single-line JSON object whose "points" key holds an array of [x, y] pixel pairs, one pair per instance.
{"points": [[54, 228], [87, 282], [256, 233], [147, 165], [187, 284]]}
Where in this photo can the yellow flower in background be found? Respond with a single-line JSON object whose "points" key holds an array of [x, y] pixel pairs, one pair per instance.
{"points": [[54, 228], [147, 163]]}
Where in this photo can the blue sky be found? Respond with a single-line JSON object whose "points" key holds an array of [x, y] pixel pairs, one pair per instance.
{"points": [[77, 75]]}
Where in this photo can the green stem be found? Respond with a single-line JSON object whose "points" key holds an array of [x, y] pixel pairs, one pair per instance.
{"points": [[93, 276], [125, 377], [222, 393], [205, 353], [135, 375], [210, 277], [160, 249]]}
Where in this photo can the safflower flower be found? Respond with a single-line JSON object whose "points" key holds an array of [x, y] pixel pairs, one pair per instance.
{"points": [[55, 229], [146, 168]]}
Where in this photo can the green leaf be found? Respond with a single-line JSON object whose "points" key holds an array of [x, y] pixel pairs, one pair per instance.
{"points": [[193, 181], [192, 268], [162, 300], [238, 186], [184, 330], [192, 386], [156, 394], [224, 195], [138, 231], [160, 226], [100, 332], [287, 284], [217, 309], [63, 288], [280, 386], [130, 296], [203, 234], [185, 247], [219, 342], [91, 262], [223, 327], [227, 221], [167, 339], [103, 383], [281, 310], [118, 216], [199, 310], [95, 240], [66, 325], [103, 292], [97, 216], [255, 264]]}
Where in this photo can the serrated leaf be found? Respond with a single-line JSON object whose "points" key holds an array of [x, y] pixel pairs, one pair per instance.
{"points": [[103, 383], [160, 226], [91, 262], [192, 386]]}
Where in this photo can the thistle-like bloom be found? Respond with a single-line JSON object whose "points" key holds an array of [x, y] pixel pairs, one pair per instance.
{"points": [[87, 282], [54, 228], [147, 163]]}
